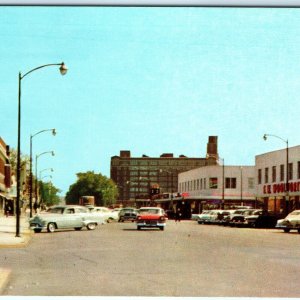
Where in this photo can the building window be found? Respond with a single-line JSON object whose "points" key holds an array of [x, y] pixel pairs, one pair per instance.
{"points": [[250, 183], [259, 176], [201, 183], [274, 174], [204, 183], [266, 175], [230, 183], [198, 184], [281, 172], [290, 171], [213, 182], [298, 170]]}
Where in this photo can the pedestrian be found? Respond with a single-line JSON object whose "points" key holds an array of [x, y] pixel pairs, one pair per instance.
{"points": [[178, 215]]}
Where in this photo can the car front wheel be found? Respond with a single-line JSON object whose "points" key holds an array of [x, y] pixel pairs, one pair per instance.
{"points": [[162, 228], [51, 227], [91, 226], [287, 230]]}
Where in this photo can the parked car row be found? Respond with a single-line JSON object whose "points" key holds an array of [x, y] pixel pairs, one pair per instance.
{"points": [[242, 217]]}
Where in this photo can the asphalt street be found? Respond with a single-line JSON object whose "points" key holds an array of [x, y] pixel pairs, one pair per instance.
{"points": [[186, 259]]}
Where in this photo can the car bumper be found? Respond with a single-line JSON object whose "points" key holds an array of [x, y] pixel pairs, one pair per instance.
{"points": [[150, 224], [34, 226]]}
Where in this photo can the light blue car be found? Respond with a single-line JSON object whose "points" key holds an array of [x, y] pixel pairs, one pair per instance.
{"points": [[64, 217]]}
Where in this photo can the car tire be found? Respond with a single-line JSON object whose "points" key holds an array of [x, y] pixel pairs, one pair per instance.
{"points": [[37, 230], [51, 227], [162, 228], [139, 228], [286, 230], [78, 228], [91, 226], [298, 230]]}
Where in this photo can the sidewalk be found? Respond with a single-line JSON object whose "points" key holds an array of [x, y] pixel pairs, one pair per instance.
{"points": [[8, 239], [8, 232]]}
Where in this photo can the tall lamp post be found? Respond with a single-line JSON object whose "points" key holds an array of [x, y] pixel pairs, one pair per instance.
{"points": [[241, 168], [31, 137], [63, 70], [36, 168], [48, 169], [287, 169]]}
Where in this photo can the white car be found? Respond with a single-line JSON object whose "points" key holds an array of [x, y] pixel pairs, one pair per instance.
{"points": [[291, 221], [107, 215]]}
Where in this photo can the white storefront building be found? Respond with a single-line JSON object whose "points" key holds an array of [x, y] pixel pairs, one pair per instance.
{"points": [[218, 186], [277, 187]]}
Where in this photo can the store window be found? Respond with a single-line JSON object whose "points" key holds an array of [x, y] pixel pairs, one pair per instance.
{"points": [[259, 176], [274, 174], [213, 182], [230, 183], [250, 183], [266, 175]]}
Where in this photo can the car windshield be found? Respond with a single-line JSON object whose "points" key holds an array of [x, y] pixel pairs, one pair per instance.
{"points": [[55, 210], [149, 211]]}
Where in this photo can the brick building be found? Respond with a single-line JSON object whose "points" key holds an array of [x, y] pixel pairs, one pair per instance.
{"points": [[137, 176], [5, 175]]}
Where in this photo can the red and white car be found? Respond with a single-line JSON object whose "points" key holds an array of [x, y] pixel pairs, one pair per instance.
{"points": [[151, 217]]}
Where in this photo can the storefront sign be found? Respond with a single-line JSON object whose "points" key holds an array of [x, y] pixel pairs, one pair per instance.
{"points": [[281, 188]]}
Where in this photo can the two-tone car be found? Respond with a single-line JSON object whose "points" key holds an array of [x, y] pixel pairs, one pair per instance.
{"points": [[151, 217], [290, 222], [64, 217]]}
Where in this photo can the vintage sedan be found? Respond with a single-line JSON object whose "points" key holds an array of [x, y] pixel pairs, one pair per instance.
{"points": [[153, 217], [291, 221], [64, 217]]}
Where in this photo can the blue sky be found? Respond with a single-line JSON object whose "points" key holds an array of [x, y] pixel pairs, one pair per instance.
{"points": [[149, 80]]}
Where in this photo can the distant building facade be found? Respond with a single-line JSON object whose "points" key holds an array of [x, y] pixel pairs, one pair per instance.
{"points": [[5, 176], [137, 176], [218, 186], [278, 187]]}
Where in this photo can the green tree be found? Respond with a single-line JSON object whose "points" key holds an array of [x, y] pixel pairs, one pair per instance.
{"points": [[90, 184], [49, 193]]}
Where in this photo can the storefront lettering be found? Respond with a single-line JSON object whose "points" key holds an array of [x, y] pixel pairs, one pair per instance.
{"points": [[281, 188]]}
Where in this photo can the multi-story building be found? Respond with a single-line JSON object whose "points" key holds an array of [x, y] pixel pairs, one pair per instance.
{"points": [[136, 176], [5, 176], [278, 186], [218, 186]]}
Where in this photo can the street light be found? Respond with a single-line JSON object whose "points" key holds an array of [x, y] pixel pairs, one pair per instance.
{"points": [[63, 70], [50, 169], [36, 168], [287, 169], [241, 168], [31, 137]]}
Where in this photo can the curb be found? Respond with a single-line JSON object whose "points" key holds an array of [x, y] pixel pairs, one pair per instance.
{"points": [[4, 279], [23, 242]]}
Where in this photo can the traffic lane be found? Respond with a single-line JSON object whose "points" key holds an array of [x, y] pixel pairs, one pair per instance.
{"points": [[186, 259]]}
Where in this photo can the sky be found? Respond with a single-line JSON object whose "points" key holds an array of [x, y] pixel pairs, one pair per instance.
{"points": [[151, 80]]}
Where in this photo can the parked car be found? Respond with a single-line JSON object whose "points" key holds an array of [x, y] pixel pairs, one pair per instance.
{"points": [[153, 217], [127, 214], [290, 222], [203, 217], [238, 217], [251, 220], [106, 215], [223, 215], [227, 220], [64, 217]]}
